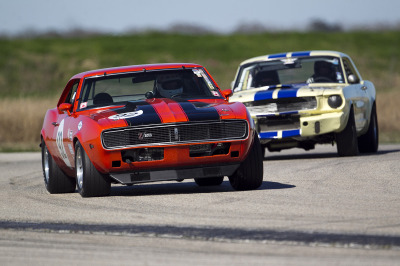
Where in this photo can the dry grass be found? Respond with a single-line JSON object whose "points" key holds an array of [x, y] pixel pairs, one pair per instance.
{"points": [[21, 122], [389, 116], [22, 119]]}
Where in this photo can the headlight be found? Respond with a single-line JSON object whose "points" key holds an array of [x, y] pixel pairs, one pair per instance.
{"points": [[335, 101]]}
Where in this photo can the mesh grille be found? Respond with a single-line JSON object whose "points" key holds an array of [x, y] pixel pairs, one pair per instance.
{"points": [[282, 105], [175, 134]]}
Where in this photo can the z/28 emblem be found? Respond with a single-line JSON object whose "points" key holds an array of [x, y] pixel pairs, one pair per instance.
{"points": [[143, 135]]}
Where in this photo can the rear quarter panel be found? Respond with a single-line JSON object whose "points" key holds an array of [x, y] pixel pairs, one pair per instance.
{"points": [[48, 129]]}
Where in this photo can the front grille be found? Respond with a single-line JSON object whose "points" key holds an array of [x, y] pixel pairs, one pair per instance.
{"points": [[282, 105], [282, 122], [180, 133]]}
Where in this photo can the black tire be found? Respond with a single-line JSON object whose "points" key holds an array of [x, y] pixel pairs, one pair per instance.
{"points": [[249, 175], [209, 181], [369, 142], [55, 179], [347, 144], [90, 182]]}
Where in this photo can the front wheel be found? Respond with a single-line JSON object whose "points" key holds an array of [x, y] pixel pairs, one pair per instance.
{"points": [[346, 141], [249, 175], [369, 141], [90, 182], [54, 179]]}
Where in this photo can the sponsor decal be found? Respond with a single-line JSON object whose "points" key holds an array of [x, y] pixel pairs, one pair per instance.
{"points": [[80, 125], [197, 72], [60, 143], [339, 77], [224, 111], [215, 93], [70, 134], [200, 73], [126, 115], [288, 61], [83, 105], [71, 150]]}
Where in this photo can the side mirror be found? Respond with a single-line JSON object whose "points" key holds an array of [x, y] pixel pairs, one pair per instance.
{"points": [[65, 107], [149, 95], [227, 93], [352, 79]]}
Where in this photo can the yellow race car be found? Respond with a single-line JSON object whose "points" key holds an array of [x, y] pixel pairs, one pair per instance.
{"points": [[299, 99]]}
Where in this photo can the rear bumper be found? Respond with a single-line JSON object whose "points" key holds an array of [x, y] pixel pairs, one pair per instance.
{"points": [[136, 177]]}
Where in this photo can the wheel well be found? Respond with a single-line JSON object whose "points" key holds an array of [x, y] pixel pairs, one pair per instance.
{"points": [[75, 140], [370, 114]]}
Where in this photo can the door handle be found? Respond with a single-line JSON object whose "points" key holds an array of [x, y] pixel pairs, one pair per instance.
{"points": [[364, 88], [55, 124]]}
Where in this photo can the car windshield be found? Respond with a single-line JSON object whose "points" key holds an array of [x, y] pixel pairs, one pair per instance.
{"points": [[174, 84], [315, 69]]}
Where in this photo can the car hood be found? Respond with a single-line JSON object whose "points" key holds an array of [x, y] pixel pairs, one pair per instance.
{"points": [[158, 111], [282, 91]]}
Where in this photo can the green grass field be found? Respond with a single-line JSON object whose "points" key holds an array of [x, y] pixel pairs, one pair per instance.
{"points": [[34, 71]]}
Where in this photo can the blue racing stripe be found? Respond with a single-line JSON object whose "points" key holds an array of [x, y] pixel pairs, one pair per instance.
{"points": [[289, 113], [148, 117], [263, 95], [277, 55], [287, 93], [301, 53], [290, 133], [268, 135], [196, 111]]}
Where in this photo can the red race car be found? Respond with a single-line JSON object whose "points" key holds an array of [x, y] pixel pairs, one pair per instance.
{"points": [[147, 123]]}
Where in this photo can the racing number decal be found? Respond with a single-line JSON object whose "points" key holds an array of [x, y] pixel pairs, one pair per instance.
{"points": [[60, 143]]}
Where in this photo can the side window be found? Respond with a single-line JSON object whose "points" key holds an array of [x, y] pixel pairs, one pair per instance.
{"points": [[72, 93], [349, 69]]}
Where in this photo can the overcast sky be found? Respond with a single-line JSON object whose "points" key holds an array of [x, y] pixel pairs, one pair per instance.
{"points": [[117, 16]]}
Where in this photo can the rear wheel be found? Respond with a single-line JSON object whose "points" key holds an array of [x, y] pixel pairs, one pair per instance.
{"points": [[249, 175], [90, 182], [55, 179], [209, 181], [369, 141], [347, 144]]}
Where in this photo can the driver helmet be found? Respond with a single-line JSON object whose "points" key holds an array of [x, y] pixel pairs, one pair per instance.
{"points": [[323, 68], [170, 85]]}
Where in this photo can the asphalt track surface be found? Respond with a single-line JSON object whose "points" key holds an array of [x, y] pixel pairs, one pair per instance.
{"points": [[314, 208]]}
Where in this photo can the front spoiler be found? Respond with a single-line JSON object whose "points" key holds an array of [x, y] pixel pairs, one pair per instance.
{"points": [[174, 174]]}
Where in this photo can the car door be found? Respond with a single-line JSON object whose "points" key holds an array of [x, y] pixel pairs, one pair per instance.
{"points": [[357, 93], [63, 133]]}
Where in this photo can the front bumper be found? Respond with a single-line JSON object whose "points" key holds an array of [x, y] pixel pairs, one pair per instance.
{"points": [[305, 126], [136, 177]]}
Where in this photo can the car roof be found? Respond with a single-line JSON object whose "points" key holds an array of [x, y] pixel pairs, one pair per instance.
{"points": [[134, 68], [294, 54]]}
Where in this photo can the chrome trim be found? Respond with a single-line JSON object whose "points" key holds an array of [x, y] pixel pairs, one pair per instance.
{"points": [[46, 166], [79, 168], [176, 128]]}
